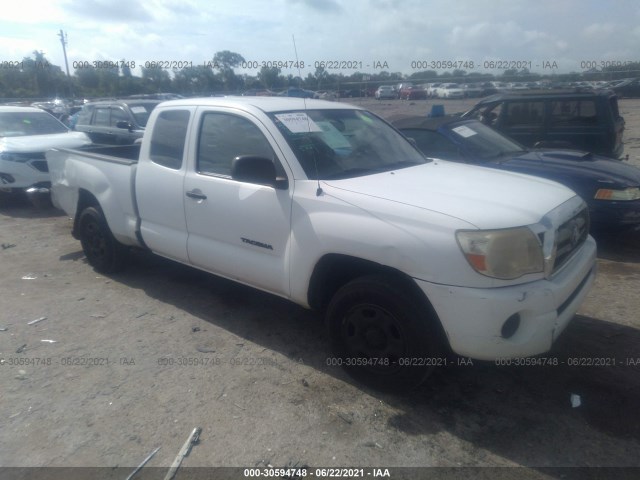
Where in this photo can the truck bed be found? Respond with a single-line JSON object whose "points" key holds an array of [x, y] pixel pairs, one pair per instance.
{"points": [[104, 175], [114, 153]]}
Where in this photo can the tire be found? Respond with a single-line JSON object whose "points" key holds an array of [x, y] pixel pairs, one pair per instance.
{"points": [[40, 201], [104, 253], [382, 335]]}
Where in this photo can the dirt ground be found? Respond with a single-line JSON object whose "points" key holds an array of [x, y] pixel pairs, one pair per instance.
{"points": [[119, 365]]}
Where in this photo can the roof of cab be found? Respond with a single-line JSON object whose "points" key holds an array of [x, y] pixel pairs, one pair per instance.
{"points": [[547, 94], [266, 104]]}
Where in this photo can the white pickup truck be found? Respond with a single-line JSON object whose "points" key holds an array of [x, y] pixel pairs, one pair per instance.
{"points": [[327, 205]]}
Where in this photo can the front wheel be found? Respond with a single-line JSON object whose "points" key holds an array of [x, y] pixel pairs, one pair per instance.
{"points": [[381, 334], [102, 250]]}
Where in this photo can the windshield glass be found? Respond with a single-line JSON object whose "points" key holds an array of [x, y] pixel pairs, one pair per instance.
{"points": [[331, 144], [141, 112], [21, 124], [482, 141]]}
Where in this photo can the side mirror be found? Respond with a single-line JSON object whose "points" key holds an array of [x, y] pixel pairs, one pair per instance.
{"points": [[260, 170], [123, 124]]}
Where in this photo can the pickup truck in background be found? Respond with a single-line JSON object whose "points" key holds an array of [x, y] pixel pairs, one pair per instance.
{"points": [[327, 205]]}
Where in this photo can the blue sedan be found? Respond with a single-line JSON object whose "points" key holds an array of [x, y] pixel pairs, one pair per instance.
{"points": [[610, 187]]}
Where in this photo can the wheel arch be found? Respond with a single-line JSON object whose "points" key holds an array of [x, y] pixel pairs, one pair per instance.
{"points": [[85, 199], [333, 271]]}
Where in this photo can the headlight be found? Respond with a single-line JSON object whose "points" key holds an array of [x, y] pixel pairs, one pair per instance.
{"points": [[626, 194], [504, 254]]}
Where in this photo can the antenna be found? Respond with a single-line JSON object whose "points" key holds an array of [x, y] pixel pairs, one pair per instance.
{"points": [[63, 40], [304, 100]]}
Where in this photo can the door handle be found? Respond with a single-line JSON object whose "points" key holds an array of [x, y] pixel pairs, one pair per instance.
{"points": [[197, 195]]}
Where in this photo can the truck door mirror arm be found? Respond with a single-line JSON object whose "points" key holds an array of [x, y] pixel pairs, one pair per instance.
{"points": [[255, 169]]}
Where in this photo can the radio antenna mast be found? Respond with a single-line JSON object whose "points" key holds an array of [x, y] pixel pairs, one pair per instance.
{"points": [[304, 100], [63, 41]]}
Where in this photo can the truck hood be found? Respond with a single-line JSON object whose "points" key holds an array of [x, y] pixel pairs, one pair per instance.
{"points": [[484, 198], [42, 143]]}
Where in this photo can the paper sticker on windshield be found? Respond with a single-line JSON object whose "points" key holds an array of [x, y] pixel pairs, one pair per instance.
{"points": [[464, 131], [332, 136], [138, 110], [298, 122]]}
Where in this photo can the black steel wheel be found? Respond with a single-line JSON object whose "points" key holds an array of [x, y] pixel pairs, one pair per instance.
{"points": [[381, 334], [102, 250]]}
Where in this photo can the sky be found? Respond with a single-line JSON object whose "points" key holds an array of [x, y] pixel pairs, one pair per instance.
{"points": [[545, 36]]}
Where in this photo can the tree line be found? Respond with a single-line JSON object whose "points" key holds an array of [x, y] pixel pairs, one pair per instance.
{"points": [[36, 77]]}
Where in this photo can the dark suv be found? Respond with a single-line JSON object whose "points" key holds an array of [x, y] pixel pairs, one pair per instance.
{"points": [[115, 122], [586, 120]]}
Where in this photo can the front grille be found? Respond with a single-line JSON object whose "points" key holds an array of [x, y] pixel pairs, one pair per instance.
{"points": [[570, 236]]}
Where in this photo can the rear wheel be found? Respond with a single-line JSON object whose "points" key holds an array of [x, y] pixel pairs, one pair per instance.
{"points": [[102, 250], [381, 334]]}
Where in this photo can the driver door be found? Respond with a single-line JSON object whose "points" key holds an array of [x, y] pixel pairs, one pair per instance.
{"points": [[236, 229]]}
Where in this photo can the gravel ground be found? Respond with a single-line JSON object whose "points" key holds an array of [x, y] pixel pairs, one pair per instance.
{"points": [[119, 365]]}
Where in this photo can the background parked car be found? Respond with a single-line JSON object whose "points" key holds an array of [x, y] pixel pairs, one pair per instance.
{"points": [[297, 92], [432, 89], [385, 92], [585, 119], [326, 95], [26, 133], [451, 90], [472, 90], [115, 122], [629, 88], [413, 92], [611, 188]]}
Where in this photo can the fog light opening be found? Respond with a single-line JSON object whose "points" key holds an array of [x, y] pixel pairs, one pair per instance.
{"points": [[6, 179], [510, 326]]}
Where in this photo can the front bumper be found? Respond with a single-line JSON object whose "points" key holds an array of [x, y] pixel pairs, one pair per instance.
{"points": [[613, 215], [20, 174], [473, 318]]}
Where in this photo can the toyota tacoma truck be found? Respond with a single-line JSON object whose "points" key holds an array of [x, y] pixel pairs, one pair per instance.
{"points": [[327, 205]]}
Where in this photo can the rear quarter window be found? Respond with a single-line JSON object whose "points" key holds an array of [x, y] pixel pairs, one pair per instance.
{"points": [[574, 112], [168, 138]]}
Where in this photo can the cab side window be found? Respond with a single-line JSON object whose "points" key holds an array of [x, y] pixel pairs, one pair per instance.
{"points": [[118, 115], [573, 112], [101, 117], [84, 117], [520, 114], [491, 115], [168, 139], [223, 137]]}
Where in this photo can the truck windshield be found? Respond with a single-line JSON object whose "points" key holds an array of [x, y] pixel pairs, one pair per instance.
{"points": [[343, 143], [21, 124]]}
